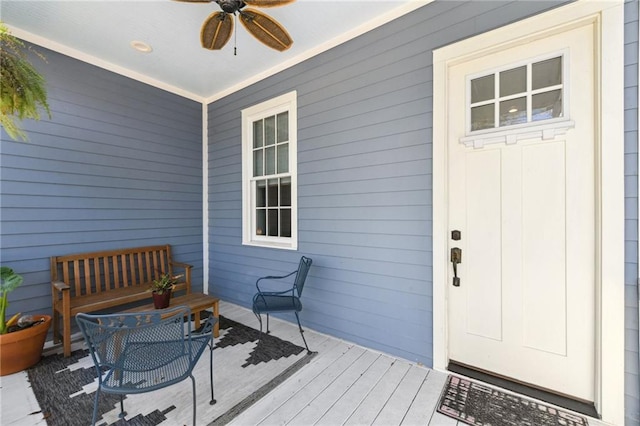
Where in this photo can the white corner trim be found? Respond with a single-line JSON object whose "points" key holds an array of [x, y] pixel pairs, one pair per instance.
{"points": [[342, 38], [609, 17], [93, 60], [612, 300], [205, 199]]}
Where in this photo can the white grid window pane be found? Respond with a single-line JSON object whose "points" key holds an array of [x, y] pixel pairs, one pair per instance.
{"points": [[546, 73], [483, 89], [513, 81], [482, 117], [283, 127], [258, 131], [270, 130], [546, 105], [513, 111]]}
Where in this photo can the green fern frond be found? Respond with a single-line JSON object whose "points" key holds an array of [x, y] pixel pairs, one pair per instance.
{"points": [[22, 88]]}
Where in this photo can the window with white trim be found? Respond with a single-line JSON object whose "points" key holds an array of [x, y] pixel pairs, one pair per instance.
{"points": [[507, 104], [269, 178]]}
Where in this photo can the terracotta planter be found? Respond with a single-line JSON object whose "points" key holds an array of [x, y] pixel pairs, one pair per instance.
{"points": [[161, 301], [22, 349]]}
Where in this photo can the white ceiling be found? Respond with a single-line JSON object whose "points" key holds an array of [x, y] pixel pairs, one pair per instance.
{"points": [[100, 32]]}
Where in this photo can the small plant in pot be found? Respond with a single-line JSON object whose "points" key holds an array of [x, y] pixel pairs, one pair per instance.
{"points": [[161, 289], [21, 338]]}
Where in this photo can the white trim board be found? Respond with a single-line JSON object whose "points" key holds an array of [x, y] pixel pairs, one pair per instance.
{"points": [[609, 17], [205, 199]]}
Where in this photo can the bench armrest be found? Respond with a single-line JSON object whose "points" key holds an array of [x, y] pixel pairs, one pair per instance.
{"points": [[181, 265], [187, 273], [59, 285]]}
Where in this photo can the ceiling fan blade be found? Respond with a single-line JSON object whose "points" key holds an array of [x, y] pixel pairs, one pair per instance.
{"points": [[266, 29], [216, 31], [268, 3]]}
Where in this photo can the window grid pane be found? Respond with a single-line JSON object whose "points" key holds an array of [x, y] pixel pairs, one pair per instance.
{"points": [[258, 136], [270, 161], [482, 89], [283, 158], [483, 117], [546, 105], [513, 112], [539, 85], [546, 73], [283, 127], [258, 162], [513, 81], [272, 222], [270, 130]]}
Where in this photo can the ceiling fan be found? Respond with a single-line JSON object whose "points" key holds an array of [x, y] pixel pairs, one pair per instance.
{"points": [[217, 28]]}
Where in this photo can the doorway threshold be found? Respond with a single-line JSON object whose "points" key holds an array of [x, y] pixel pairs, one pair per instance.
{"points": [[561, 401]]}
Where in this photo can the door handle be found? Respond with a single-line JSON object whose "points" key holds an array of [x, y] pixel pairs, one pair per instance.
{"points": [[456, 258]]}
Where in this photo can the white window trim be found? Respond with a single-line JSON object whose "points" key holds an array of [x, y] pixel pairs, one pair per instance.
{"points": [[286, 102], [609, 19]]}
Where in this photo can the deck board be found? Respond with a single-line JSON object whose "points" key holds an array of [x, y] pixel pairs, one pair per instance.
{"points": [[310, 391], [353, 397], [368, 410], [398, 405], [331, 394], [424, 404], [343, 384]]}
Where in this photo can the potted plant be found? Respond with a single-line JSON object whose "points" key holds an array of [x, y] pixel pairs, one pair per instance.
{"points": [[161, 289], [23, 90], [21, 340]]}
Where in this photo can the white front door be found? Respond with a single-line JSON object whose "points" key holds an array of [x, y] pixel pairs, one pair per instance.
{"points": [[521, 191]]}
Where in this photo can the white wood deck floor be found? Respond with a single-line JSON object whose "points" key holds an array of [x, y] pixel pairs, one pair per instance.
{"points": [[344, 384]]}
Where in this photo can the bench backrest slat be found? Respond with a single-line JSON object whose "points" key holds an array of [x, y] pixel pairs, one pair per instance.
{"points": [[90, 273], [97, 274], [86, 268], [132, 268]]}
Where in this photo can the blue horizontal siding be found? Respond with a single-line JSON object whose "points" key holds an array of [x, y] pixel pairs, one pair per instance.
{"points": [[117, 165]]}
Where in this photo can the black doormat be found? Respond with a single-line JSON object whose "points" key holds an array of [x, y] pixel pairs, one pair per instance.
{"points": [[581, 407], [481, 405]]}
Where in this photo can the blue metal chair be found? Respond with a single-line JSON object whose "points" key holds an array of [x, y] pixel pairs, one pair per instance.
{"points": [[265, 302], [144, 351]]}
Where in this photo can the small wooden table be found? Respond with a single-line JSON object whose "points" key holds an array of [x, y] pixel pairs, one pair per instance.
{"points": [[197, 302]]}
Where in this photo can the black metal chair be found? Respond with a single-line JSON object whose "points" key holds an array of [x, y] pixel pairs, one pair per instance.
{"points": [[265, 302], [145, 351]]}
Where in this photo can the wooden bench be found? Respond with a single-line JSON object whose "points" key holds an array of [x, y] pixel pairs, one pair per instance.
{"points": [[90, 282], [197, 302]]}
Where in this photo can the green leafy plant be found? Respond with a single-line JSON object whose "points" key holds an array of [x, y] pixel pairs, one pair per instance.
{"points": [[9, 281], [166, 282], [22, 89]]}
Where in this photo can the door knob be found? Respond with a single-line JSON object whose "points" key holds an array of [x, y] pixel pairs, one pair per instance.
{"points": [[456, 258]]}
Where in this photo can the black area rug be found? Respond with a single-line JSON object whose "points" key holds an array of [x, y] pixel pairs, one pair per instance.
{"points": [[244, 371], [480, 405]]}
